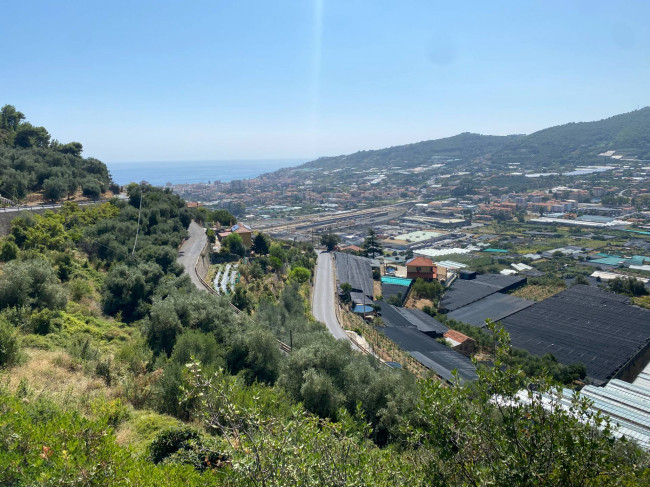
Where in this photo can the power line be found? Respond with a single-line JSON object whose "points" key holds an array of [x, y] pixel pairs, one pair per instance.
{"points": [[137, 231]]}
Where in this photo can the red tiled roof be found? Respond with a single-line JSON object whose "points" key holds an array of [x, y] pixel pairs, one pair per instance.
{"points": [[420, 262], [456, 336]]}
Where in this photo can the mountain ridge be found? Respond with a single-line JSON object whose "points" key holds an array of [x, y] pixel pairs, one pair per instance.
{"points": [[562, 145]]}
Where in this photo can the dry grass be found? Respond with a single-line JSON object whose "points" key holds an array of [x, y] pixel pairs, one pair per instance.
{"points": [[418, 303], [537, 292], [643, 301], [376, 288], [59, 376]]}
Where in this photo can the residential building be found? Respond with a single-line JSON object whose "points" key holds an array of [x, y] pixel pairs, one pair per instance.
{"points": [[421, 267]]}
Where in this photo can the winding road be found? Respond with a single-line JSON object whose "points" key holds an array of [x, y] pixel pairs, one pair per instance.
{"points": [[323, 305], [190, 251]]}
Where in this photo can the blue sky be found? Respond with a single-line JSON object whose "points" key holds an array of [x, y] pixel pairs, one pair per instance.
{"points": [[226, 79]]}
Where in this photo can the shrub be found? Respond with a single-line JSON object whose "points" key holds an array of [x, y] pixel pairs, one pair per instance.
{"points": [[8, 251], [46, 321], [104, 369], [82, 348], [79, 289], [9, 345], [114, 412], [170, 441], [184, 446]]}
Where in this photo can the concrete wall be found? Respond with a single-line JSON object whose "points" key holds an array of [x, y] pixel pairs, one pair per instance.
{"points": [[635, 365], [6, 217], [203, 263]]}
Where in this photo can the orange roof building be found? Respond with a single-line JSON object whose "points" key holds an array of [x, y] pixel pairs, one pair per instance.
{"points": [[421, 267]]}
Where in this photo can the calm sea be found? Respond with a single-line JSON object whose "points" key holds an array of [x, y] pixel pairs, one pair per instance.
{"points": [[160, 173]]}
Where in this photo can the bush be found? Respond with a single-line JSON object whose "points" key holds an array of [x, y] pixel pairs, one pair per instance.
{"points": [[46, 321], [104, 370], [170, 441], [8, 251], [184, 446], [114, 412], [300, 274], [9, 345], [82, 348], [79, 289]]}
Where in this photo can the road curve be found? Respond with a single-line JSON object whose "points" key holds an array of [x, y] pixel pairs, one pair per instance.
{"points": [[190, 251], [323, 304]]}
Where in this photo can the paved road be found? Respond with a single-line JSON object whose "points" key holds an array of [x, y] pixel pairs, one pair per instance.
{"points": [[190, 251], [324, 303]]}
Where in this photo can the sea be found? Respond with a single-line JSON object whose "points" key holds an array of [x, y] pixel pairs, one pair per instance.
{"points": [[159, 173]]}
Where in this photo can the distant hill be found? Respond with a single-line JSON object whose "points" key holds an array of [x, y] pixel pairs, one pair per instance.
{"points": [[465, 146], [31, 162], [627, 134], [562, 146]]}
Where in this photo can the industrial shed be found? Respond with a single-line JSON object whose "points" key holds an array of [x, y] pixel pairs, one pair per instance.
{"points": [[435, 356], [588, 325], [495, 306], [464, 292]]}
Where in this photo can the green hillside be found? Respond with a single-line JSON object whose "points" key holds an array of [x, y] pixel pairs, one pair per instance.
{"points": [[556, 147], [465, 146], [627, 134], [31, 161]]}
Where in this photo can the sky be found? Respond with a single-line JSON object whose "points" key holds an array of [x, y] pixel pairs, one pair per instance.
{"points": [[224, 79]]}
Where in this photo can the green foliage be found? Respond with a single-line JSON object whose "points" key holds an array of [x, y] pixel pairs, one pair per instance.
{"points": [[240, 299], [29, 162], [234, 245], [330, 241], [346, 289], [46, 321], [261, 244], [254, 355], [129, 289], [629, 286], [371, 245], [489, 434], [300, 275], [79, 289], [9, 344], [270, 442], [170, 441], [170, 316], [30, 283], [43, 444], [8, 251], [428, 290]]}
